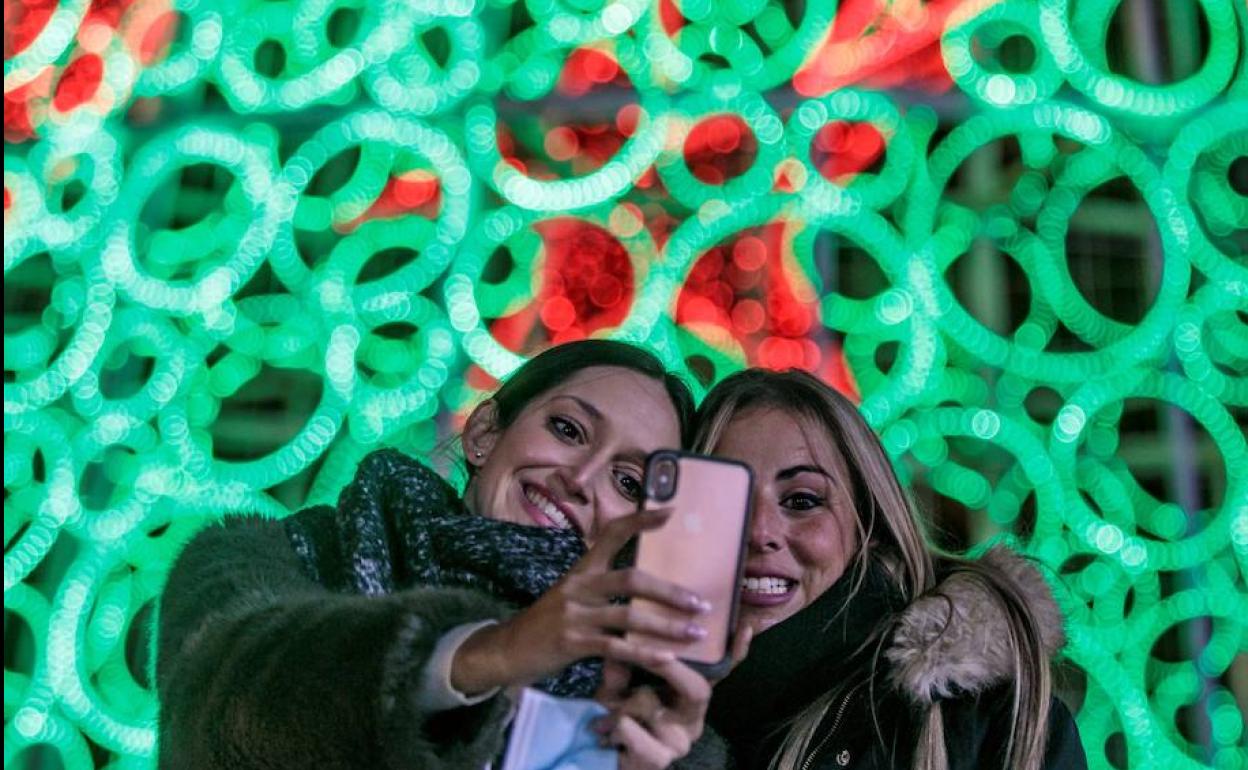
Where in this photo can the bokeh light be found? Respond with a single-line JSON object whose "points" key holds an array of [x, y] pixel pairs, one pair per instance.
{"points": [[247, 242]]}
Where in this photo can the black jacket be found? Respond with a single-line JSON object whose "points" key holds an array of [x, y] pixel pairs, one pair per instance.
{"points": [[976, 728], [947, 647]]}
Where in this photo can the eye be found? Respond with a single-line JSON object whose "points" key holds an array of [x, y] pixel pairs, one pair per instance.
{"points": [[566, 429], [802, 501], [629, 484]]}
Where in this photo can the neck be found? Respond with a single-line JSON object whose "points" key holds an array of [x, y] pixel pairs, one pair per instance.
{"points": [[801, 658]]}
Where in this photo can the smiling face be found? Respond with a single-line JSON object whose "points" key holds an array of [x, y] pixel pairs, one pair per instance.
{"points": [[573, 457], [804, 533]]}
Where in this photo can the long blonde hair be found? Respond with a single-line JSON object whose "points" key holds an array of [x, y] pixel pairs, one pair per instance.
{"points": [[893, 535]]}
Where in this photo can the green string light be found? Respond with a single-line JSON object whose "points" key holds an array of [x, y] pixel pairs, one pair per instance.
{"points": [[323, 116], [1000, 89], [50, 44], [725, 98], [718, 31], [874, 190], [605, 183], [1122, 95]]}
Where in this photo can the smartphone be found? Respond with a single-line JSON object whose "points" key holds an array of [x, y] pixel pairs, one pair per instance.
{"points": [[700, 547]]}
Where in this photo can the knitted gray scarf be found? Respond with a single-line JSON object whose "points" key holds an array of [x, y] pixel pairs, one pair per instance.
{"points": [[399, 525]]}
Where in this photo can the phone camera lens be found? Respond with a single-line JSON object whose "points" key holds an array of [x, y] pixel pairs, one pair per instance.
{"points": [[663, 480]]}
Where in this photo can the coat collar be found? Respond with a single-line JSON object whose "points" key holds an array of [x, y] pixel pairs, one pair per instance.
{"points": [[949, 641], [955, 638]]}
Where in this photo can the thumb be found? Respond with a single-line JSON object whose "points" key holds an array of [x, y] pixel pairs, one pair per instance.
{"points": [[741, 644], [616, 677]]}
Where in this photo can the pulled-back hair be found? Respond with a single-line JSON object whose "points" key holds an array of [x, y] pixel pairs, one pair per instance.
{"points": [[556, 365], [892, 534]]}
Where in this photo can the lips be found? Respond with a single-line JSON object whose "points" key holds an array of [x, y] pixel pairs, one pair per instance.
{"points": [[545, 510], [763, 590]]}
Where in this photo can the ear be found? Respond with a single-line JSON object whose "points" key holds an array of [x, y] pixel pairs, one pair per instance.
{"points": [[480, 432]]}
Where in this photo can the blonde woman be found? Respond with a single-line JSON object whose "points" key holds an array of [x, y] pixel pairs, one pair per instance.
{"points": [[871, 649]]}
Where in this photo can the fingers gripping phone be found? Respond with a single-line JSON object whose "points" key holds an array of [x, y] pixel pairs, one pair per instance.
{"points": [[700, 547]]}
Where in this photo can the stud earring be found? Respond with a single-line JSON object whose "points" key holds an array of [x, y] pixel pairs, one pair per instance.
{"points": [[477, 454]]}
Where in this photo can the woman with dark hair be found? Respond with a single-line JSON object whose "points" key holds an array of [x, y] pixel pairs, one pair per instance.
{"points": [[872, 649], [393, 629]]}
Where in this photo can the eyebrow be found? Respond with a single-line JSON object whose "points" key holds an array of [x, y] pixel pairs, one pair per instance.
{"points": [[596, 414], [589, 408], [796, 470]]}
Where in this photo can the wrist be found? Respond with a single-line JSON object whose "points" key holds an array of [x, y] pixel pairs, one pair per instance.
{"points": [[477, 666]]}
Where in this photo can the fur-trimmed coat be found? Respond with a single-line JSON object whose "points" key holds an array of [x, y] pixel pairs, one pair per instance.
{"points": [[950, 646]]}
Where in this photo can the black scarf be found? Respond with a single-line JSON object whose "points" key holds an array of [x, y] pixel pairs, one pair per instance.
{"points": [[399, 525], [794, 662]]}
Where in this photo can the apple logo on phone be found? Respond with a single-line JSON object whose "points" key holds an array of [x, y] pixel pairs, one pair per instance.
{"points": [[692, 523]]}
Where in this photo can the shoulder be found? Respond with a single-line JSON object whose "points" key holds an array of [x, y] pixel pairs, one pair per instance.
{"points": [[977, 730], [1064, 750], [955, 639], [394, 473], [234, 542]]}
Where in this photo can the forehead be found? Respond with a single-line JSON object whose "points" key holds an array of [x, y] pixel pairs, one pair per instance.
{"points": [[775, 438], [630, 401]]}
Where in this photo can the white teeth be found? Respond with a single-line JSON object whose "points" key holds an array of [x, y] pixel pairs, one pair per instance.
{"points": [[548, 508], [766, 585]]}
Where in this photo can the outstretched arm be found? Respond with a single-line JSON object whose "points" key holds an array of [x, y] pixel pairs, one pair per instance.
{"points": [[259, 666]]}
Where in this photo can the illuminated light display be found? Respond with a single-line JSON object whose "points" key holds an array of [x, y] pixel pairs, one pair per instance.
{"points": [[392, 203]]}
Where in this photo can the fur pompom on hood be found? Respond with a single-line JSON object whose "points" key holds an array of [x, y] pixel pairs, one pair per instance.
{"points": [[954, 639]]}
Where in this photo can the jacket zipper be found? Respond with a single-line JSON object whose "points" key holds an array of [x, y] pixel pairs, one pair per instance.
{"points": [[836, 723]]}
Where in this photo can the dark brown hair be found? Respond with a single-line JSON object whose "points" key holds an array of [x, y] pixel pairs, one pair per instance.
{"points": [[555, 365]]}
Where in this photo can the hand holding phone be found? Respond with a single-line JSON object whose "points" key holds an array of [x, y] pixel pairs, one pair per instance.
{"points": [[580, 617], [700, 546]]}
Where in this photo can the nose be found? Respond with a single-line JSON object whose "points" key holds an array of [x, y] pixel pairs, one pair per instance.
{"points": [[766, 528], [575, 480]]}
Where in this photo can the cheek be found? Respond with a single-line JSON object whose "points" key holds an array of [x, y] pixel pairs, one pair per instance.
{"points": [[495, 479], [823, 548], [522, 449], [611, 506], [490, 496]]}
